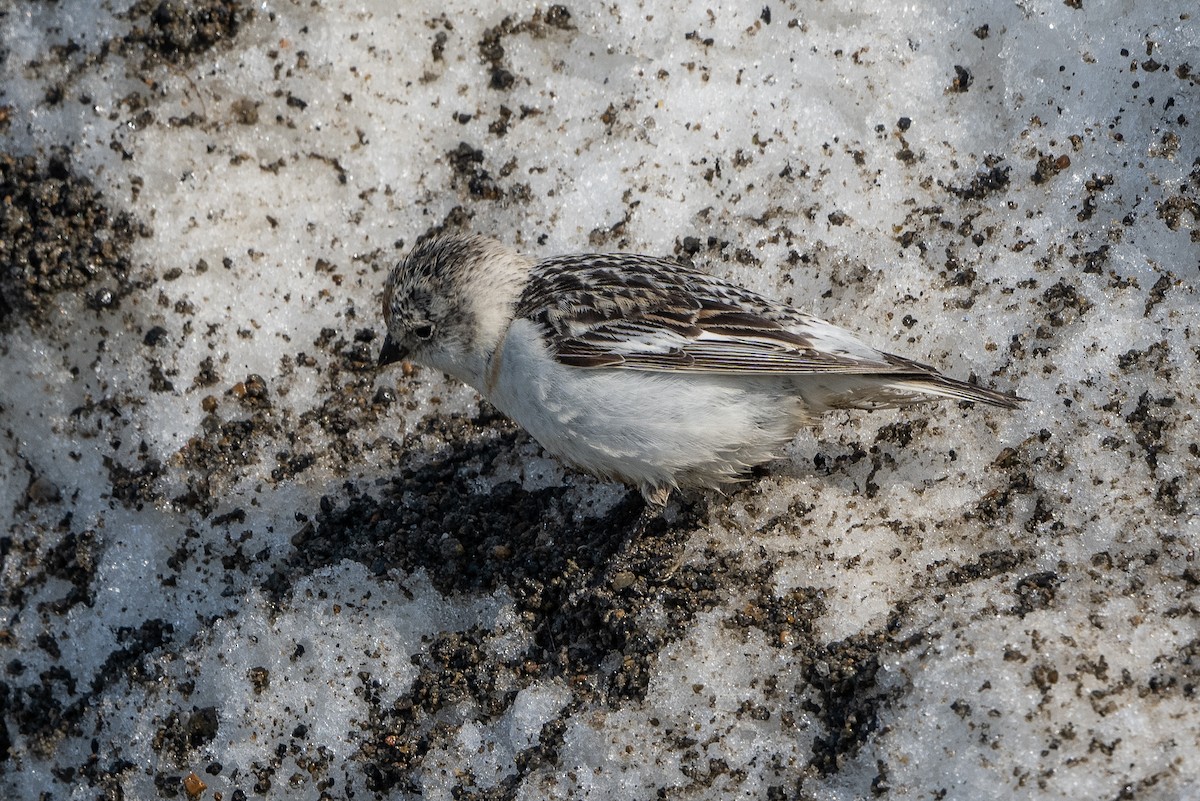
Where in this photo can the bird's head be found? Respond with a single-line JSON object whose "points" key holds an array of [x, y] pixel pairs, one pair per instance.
{"points": [[449, 302]]}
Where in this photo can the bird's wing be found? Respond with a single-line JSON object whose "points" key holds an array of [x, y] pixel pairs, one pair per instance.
{"points": [[642, 313]]}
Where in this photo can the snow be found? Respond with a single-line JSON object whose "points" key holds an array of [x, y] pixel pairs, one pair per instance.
{"points": [[234, 549]]}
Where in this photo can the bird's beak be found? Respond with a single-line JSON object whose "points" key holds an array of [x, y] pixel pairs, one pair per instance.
{"points": [[391, 353]]}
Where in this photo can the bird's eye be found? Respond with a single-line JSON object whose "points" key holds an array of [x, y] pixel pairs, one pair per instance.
{"points": [[424, 331]]}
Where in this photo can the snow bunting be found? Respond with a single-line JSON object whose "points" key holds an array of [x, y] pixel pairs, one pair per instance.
{"points": [[637, 368]]}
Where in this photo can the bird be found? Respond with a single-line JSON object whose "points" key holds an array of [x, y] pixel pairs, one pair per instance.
{"points": [[636, 368]]}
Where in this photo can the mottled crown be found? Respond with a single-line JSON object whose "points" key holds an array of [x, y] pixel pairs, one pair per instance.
{"points": [[431, 269]]}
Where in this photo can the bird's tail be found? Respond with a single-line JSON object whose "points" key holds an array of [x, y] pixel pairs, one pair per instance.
{"points": [[929, 387], [889, 390]]}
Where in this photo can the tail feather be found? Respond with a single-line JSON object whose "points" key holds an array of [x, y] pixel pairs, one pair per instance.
{"points": [[941, 386], [886, 391]]}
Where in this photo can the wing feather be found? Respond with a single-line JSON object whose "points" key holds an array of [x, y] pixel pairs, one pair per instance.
{"points": [[642, 313]]}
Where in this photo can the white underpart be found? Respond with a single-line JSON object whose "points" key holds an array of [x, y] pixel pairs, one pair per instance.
{"points": [[654, 429]]}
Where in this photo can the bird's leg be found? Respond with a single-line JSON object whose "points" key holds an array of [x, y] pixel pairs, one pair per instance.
{"points": [[622, 569]]}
